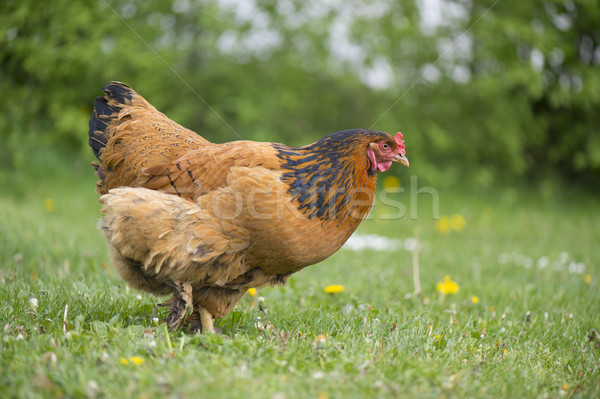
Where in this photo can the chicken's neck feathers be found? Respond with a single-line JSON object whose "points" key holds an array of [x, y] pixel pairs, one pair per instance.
{"points": [[331, 179]]}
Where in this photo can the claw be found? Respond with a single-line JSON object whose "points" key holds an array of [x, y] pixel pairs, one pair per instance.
{"points": [[179, 305]]}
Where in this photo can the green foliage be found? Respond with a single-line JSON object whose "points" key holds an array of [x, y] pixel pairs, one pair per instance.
{"points": [[493, 93], [530, 103]]}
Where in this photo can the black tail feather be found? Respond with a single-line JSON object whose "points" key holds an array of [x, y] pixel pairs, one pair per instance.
{"points": [[118, 94]]}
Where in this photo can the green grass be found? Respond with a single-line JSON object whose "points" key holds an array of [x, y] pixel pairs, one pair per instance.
{"points": [[526, 337]]}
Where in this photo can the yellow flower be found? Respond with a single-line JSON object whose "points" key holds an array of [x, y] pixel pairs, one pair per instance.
{"points": [[334, 289], [447, 286], [443, 225], [252, 291], [474, 299], [446, 224], [49, 205], [391, 182], [457, 222], [587, 279], [136, 360], [123, 361]]}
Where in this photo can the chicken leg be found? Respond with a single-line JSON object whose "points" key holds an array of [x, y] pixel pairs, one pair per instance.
{"points": [[202, 321], [179, 304], [206, 319]]}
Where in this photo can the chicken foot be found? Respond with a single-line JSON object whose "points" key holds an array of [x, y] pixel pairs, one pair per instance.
{"points": [[179, 304]]}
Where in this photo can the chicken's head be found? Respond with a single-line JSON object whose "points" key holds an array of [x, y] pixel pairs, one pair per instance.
{"points": [[382, 153]]}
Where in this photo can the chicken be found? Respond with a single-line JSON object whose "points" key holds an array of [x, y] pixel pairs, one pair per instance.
{"points": [[205, 222]]}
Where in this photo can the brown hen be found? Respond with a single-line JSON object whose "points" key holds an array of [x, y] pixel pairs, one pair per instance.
{"points": [[207, 221]]}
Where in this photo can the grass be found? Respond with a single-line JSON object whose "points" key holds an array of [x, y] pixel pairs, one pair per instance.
{"points": [[71, 328]]}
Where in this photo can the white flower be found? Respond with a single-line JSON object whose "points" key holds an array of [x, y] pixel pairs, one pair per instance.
{"points": [[576, 268], [33, 302], [373, 241], [319, 375], [104, 357], [504, 258], [92, 388]]}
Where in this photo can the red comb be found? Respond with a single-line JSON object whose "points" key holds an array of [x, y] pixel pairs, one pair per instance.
{"points": [[400, 143]]}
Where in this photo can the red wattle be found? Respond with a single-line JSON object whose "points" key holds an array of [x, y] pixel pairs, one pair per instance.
{"points": [[371, 156]]}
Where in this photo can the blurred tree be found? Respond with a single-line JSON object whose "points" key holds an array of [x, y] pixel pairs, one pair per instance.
{"points": [[228, 72], [492, 91], [520, 89]]}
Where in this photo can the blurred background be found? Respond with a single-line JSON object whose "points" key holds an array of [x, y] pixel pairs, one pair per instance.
{"points": [[487, 93], [499, 103]]}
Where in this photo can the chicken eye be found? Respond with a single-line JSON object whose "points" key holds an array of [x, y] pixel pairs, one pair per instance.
{"points": [[385, 146]]}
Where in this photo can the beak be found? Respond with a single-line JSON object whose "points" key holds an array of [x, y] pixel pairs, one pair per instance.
{"points": [[401, 159]]}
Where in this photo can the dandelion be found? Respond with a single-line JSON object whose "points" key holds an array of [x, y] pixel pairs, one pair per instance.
{"points": [[252, 291], [123, 361], [334, 289], [457, 222], [391, 182], [587, 279], [447, 286], [447, 224], [443, 225], [49, 205], [136, 360], [474, 299]]}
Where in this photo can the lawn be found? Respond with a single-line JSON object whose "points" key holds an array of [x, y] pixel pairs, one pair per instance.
{"points": [[526, 263]]}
